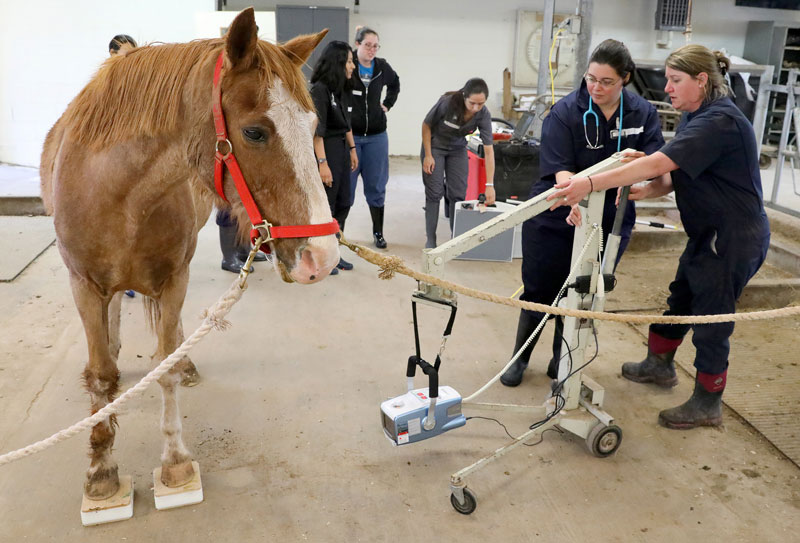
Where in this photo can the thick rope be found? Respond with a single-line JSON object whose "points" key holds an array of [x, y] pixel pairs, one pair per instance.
{"points": [[213, 318], [391, 265]]}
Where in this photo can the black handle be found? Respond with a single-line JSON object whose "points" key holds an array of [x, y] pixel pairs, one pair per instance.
{"points": [[427, 369]]}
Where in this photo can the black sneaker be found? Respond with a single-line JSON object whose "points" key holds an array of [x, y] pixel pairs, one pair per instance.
{"points": [[344, 265], [380, 243]]}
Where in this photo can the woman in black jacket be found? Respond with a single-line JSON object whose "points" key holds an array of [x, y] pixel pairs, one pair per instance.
{"points": [[333, 140], [369, 125]]}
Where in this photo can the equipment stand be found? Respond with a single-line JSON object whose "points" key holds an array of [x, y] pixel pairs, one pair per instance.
{"points": [[575, 405]]}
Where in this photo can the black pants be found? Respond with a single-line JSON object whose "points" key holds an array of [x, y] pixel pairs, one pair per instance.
{"points": [[339, 192]]}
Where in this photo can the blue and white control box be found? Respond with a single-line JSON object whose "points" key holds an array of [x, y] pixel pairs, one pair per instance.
{"points": [[404, 417]]}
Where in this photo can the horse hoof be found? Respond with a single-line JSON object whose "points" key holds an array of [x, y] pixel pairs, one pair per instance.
{"points": [[189, 374], [177, 474], [102, 485]]}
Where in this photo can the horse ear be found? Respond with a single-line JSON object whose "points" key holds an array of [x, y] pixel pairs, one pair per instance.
{"points": [[240, 41], [300, 48]]}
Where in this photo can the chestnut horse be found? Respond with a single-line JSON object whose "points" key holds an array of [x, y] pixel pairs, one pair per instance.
{"points": [[128, 173]]}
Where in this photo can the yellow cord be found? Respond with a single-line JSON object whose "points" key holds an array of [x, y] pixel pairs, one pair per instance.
{"points": [[517, 291], [550, 65]]}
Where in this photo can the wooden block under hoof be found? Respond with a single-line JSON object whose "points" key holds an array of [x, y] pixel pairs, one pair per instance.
{"points": [[117, 507], [186, 494]]}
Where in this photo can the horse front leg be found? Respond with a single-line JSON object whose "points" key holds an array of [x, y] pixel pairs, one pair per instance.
{"points": [[101, 378], [176, 461], [114, 314]]}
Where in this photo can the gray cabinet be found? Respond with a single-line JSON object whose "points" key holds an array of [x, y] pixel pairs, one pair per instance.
{"points": [[778, 44], [291, 21]]}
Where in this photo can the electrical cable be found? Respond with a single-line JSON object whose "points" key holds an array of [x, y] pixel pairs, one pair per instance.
{"points": [[541, 436], [567, 281]]}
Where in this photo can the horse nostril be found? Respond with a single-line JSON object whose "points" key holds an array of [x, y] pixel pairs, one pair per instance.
{"points": [[313, 277]]}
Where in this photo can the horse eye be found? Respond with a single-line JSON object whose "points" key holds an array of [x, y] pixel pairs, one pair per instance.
{"points": [[254, 134]]}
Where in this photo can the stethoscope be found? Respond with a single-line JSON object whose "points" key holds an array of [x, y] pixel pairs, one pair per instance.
{"points": [[590, 111]]}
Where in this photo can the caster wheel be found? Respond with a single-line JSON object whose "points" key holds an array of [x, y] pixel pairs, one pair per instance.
{"points": [[764, 161], [469, 505], [603, 440]]}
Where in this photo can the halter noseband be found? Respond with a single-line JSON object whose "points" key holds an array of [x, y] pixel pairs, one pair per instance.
{"points": [[261, 227]]}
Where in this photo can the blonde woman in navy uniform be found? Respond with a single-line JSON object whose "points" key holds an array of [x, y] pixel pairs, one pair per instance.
{"points": [[583, 128], [714, 172], [444, 150]]}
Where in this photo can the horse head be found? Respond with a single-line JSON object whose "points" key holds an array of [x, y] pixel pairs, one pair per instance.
{"points": [[270, 124]]}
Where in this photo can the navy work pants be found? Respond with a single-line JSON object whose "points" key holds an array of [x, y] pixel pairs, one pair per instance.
{"points": [[709, 280]]}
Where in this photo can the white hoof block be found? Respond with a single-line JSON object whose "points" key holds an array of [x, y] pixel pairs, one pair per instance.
{"points": [[117, 507], [186, 494]]}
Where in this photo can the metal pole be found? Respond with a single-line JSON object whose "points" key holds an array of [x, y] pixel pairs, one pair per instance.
{"points": [[760, 114], [584, 41], [791, 80], [544, 57]]}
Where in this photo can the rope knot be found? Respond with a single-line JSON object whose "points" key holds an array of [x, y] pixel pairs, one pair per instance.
{"points": [[217, 322], [389, 266]]}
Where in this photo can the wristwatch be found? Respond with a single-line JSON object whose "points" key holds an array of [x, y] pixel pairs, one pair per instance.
{"points": [[322, 160]]}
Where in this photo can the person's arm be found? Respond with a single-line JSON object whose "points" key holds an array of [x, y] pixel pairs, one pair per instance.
{"points": [[576, 189], [392, 88], [658, 187], [324, 169], [427, 162], [351, 144], [488, 157]]}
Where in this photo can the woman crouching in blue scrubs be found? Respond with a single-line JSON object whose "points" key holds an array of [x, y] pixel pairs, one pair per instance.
{"points": [[714, 173], [582, 129]]}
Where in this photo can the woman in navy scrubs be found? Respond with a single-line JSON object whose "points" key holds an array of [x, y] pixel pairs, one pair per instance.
{"points": [[581, 130], [444, 150], [714, 173]]}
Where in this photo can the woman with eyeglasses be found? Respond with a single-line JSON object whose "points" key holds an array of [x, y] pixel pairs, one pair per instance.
{"points": [[369, 125], [444, 150], [585, 127], [712, 165]]}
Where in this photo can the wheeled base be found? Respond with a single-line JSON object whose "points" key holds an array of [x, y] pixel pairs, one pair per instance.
{"points": [[187, 494], [117, 507], [588, 421]]}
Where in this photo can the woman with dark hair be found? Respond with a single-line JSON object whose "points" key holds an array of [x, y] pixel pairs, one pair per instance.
{"points": [[333, 140], [369, 125], [712, 165], [585, 127], [444, 150], [121, 44]]}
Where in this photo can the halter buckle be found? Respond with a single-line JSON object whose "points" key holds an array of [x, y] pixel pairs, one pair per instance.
{"points": [[264, 231], [230, 147]]}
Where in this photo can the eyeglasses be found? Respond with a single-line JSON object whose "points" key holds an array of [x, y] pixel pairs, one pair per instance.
{"points": [[374, 46], [605, 83]]}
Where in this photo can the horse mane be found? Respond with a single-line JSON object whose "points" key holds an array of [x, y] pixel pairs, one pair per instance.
{"points": [[141, 93]]}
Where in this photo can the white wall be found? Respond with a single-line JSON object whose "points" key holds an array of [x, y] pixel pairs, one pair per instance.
{"points": [[50, 49]]}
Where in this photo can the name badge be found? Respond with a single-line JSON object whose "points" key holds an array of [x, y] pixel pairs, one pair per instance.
{"points": [[349, 109], [357, 92], [451, 125], [627, 131]]}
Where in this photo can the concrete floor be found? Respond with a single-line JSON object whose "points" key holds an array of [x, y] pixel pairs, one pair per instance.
{"points": [[286, 426]]}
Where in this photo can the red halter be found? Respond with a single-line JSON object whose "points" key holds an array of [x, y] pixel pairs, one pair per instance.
{"points": [[260, 226]]}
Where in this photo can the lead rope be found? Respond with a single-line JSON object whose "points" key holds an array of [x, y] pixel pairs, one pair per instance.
{"points": [[213, 318]]}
